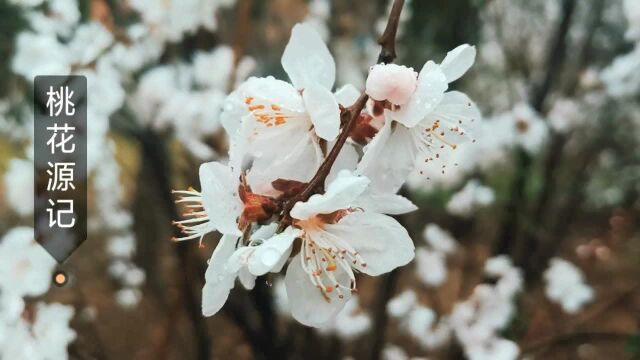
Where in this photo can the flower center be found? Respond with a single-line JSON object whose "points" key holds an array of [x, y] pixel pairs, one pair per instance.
{"points": [[269, 114], [326, 258]]}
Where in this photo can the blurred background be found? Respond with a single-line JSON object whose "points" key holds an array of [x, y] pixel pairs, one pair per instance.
{"points": [[528, 247]]}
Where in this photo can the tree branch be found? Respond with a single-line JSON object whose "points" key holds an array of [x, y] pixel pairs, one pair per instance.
{"points": [[349, 117]]}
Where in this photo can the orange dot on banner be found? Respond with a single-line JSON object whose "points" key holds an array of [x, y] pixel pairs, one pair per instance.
{"points": [[60, 278]]}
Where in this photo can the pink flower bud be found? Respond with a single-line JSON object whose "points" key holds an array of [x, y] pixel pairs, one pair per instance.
{"points": [[392, 82]]}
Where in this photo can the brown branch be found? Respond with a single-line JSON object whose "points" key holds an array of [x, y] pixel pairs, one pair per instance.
{"points": [[348, 117]]}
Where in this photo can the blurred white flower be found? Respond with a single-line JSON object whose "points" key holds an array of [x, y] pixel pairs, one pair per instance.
{"points": [[632, 11], [25, 267], [46, 338], [439, 239], [128, 298], [170, 20], [123, 246], [400, 305], [478, 320], [621, 78], [565, 115], [350, 322], [472, 196], [18, 186], [566, 286], [89, 41], [39, 54], [51, 330], [431, 267]]}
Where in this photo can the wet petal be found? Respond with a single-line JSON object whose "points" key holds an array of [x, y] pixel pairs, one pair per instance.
{"points": [[392, 204], [340, 194], [347, 95], [458, 61], [220, 198], [270, 253], [323, 110], [307, 60], [388, 158], [382, 242], [307, 303], [432, 84], [218, 281]]}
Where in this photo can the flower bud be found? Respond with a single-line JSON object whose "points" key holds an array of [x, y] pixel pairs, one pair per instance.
{"points": [[392, 82]]}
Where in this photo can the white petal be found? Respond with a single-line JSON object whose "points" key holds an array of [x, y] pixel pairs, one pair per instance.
{"points": [[275, 91], [347, 95], [218, 282], [265, 232], [340, 194], [392, 204], [269, 254], [247, 279], [382, 242], [299, 164], [220, 198], [307, 304], [346, 160], [388, 158], [458, 61], [432, 84], [323, 110], [307, 60], [456, 110]]}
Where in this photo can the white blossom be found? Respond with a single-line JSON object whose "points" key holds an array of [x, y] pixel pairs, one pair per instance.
{"points": [[566, 286], [472, 196]]}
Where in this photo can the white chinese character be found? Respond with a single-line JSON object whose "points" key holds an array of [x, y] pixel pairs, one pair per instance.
{"points": [[64, 138], [59, 100], [62, 176], [57, 219]]}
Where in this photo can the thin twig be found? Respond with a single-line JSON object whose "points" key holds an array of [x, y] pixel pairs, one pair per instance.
{"points": [[349, 116]]}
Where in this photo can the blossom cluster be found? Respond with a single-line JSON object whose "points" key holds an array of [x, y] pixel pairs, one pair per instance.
{"points": [[313, 174], [475, 322], [38, 332]]}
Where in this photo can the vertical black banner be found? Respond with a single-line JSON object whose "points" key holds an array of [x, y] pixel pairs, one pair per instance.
{"points": [[60, 163]]}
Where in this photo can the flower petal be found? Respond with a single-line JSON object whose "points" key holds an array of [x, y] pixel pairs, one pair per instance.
{"points": [[247, 279], [218, 281], [392, 204], [432, 84], [300, 164], [388, 158], [270, 253], [456, 110], [382, 242], [347, 95], [340, 194], [307, 303], [323, 110], [220, 198], [458, 61], [347, 160], [307, 60]]}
